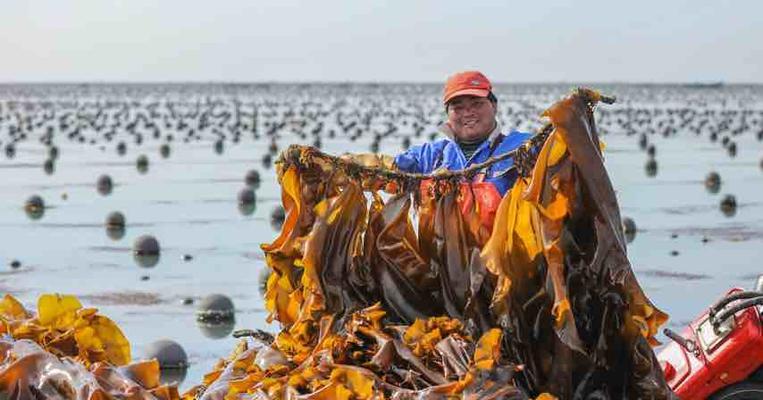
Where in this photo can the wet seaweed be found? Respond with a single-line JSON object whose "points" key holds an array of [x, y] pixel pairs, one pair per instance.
{"points": [[550, 287], [374, 303]]}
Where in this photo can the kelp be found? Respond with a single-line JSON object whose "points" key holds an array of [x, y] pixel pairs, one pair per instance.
{"points": [[66, 351], [368, 360], [549, 293], [406, 296], [580, 323]]}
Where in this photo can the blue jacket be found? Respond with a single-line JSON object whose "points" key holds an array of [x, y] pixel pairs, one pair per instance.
{"points": [[445, 153]]}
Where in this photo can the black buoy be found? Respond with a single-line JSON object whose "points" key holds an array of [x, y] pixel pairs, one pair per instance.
{"points": [[729, 205], [252, 178], [34, 206], [246, 201], [146, 251], [651, 168], [215, 307], [121, 148], [146, 245], [651, 150], [172, 376], [674, 253], [215, 316], [115, 219], [115, 233], [141, 164], [246, 196], [104, 185], [713, 182], [217, 330], [629, 229], [187, 257], [164, 150], [172, 359], [168, 353], [732, 149], [15, 264], [115, 225], [246, 209], [277, 217], [49, 166]]}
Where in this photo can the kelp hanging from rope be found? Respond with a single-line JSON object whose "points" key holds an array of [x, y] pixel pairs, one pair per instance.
{"points": [[577, 318], [551, 281]]}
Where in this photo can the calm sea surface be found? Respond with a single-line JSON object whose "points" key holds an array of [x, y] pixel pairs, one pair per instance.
{"points": [[686, 252]]}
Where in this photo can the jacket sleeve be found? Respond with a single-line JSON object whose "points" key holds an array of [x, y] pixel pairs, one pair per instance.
{"points": [[410, 160]]}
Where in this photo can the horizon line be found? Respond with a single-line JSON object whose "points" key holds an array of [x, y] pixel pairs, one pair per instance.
{"points": [[360, 82]]}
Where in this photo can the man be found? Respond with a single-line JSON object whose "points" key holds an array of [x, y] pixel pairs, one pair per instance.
{"points": [[473, 135]]}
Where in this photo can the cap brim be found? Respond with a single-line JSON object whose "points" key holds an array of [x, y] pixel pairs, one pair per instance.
{"points": [[467, 92]]}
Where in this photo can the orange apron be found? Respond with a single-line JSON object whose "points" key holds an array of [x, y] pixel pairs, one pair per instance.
{"points": [[483, 197]]}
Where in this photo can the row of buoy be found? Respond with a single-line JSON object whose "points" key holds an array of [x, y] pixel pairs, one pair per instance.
{"points": [[224, 119]]}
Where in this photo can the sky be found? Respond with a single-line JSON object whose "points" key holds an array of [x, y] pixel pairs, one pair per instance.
{"points": [[380, 41]]}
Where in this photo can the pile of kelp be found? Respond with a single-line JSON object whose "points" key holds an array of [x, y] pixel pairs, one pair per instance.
{"points": [[66, 351], [382, 291], [372, 305]]}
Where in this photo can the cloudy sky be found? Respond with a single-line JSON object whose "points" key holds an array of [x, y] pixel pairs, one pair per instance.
{"points": [[381, 41]]}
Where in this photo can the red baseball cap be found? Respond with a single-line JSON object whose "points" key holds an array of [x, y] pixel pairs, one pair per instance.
{"points": [[466, 83]]}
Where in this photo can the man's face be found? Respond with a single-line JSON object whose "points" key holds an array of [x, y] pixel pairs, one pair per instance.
{"points": [[471, 117]]}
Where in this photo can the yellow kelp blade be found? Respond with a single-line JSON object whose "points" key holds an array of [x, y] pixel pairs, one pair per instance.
{"points": [[100, 339], [488, 350], [57, 311], [12, 309]]}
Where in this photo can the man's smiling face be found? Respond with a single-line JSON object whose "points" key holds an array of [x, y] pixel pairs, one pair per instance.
{"points": [[471, 117]]}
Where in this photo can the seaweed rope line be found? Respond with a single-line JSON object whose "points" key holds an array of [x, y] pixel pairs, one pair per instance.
{"points": [[524, 158]]}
